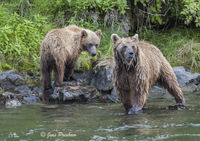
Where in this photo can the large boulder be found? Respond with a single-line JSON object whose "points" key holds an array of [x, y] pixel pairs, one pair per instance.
{"points": [[9, 80], [84, 78], [103, 79], [187, 81], [183, 76]]}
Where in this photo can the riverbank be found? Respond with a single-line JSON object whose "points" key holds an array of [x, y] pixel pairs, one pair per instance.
{"points": [[90, 87]]}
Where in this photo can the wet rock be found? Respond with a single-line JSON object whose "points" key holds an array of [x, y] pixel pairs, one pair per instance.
{"points": [[157, 92], [84, 78], [30, 99], [115, 97], [183, 76], [24, 89], [9, 80], [108, 98], [197, 89], [71, 83], [13, 103], [103, 80], [195, 81], [156, 89], [6, 96], [185, 79], [74, 94], [37, 90]]}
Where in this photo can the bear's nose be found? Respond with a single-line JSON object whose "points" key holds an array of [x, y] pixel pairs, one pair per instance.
{"points": [[93, 54], [131, 53]]}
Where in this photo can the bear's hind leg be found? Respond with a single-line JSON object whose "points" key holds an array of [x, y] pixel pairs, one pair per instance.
{"points": [[168, 81], [59, 74], [46, 78]]}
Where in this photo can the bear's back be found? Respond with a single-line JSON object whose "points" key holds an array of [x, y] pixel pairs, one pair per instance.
{"points": [[150, 51], [74, 28]]}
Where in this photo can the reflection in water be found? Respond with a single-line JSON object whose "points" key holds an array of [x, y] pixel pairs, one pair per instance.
{"points": [[101, 122]]}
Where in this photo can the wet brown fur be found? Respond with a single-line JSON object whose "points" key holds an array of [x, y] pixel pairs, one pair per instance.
{"points": [[60, 50], [133, 85]]}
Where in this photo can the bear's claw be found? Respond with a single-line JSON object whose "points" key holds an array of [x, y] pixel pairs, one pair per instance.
{"points": [[134, 110], [178, 106]]}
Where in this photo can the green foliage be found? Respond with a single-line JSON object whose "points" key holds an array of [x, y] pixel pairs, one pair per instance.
{"points": [[20, 39], [176, 45], [24, 23], [189, 55], [151, 12], [191, 11], [60, 11]]}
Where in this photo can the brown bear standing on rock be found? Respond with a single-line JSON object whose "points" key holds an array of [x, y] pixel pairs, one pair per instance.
{"points": [[60, 50], [137, 66]]}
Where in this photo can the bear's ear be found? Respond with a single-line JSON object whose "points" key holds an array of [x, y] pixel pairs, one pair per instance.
{"points": [[84, 34], [135, 37], [98, 33], [115, 38]]}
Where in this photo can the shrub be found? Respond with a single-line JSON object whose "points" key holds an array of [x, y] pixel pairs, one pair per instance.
{"points": [[20, 39]]}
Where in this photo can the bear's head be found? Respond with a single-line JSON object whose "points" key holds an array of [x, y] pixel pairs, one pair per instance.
{"points": [[90, 41], [125, 49]]}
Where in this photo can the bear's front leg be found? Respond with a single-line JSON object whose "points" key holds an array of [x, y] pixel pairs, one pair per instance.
{"points": [[69, 72], [133, 102], [138, 104]]}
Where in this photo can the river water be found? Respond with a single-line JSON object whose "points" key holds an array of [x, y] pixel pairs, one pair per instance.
{"points": [[102, 122]]}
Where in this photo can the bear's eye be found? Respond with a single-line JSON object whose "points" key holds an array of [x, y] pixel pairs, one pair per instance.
{"points": [[133, 47], [124, 48], [90, 45], [96, 45]]}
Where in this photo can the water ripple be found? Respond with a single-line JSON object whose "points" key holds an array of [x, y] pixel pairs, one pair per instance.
{"points": [[141, 126], [162, 137]]}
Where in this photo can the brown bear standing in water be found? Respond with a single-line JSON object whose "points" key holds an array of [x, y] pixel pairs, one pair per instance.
{"points": [[137, 66], [60, 50]]}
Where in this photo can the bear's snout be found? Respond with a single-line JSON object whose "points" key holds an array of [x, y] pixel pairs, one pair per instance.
{"points": [[93, 54], [92, 50]]}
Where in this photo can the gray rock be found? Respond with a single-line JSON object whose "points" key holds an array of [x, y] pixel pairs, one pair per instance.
{"points": [[183, 76], [197, 89], [30, 99], [74, 94], [37, 90], [13, 103], [24, 89], [195, 81], [103, 80], [156, 89], [84, 78], [6, 96], [9, 80], [114, 95], [188, 81]]}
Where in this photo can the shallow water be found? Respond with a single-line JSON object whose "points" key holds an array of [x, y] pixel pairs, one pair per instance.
{"points": [[97, 122]]}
